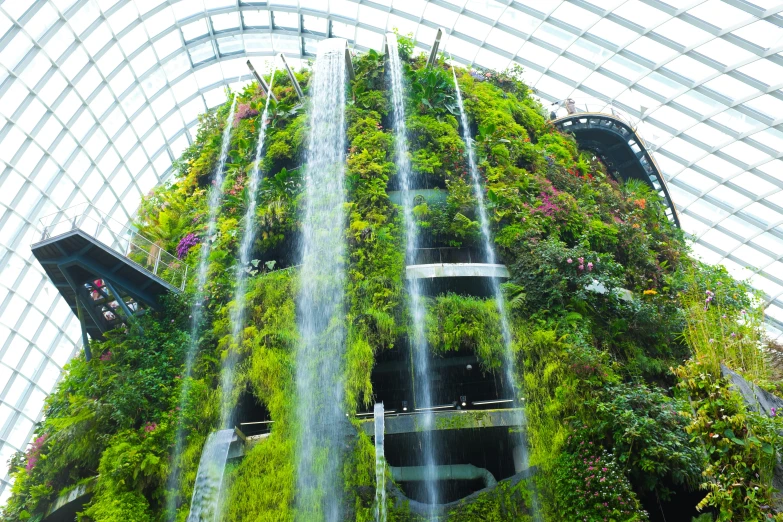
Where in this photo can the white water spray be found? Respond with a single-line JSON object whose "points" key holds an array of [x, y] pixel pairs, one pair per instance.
{"points": [[422, 384], [245, 248], [197, 311], [511, 387], [320, 413]]}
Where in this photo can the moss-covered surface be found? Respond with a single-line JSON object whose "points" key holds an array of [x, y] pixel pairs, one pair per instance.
{"points": [[560, 223]]}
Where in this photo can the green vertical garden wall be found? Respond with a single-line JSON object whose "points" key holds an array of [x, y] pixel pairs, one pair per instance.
{"points": [[626, 409]]}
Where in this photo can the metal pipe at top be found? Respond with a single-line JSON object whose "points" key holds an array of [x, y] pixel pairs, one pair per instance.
{"points": [[261, 81], [291, 76], [434, 51]]}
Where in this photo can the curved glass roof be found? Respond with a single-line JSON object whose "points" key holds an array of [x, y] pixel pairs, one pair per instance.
{"points": [[97, 97]]}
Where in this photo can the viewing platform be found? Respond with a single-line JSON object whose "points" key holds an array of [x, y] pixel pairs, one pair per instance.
{"points": [[106, 271], [430, 263], [619, 146]]}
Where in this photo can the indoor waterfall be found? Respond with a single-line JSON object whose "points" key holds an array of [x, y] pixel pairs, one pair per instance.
{"points": [[320, 411], [511, 387], [422, 386], [245, 247], [205, 504], [196, 314], [380, 464]]}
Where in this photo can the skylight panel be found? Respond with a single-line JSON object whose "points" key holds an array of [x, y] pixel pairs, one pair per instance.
{"points": [[682, 33], [372, 16], [472, 27], [575, 16], [518, 20], [625, 68], [697, 181], [503, 40], [285, 44], [154, 82], [724, 52], [736, 121], [729, 197], [201, 52], [61, 41], [700, 103], [285, 20], [764, 71], [761, 33], [426, 35], [403, 25], [554, 35], [63, 5], [32, 114], [195, 29], [537, 54], [133, 39], [542, 6], [490, 60], [590, 51], [215, 97], [38, 66], [14, 51], [761, 213], [690, 69], [462, 49], [570, 69], [349, 9], [720, 14], [183, 10], [256, 18], [208, 76], [740, 226], [226, 21], [755, 184], [176, 66], [314, 24], [745, 153], [554, 88], [230, 45], [167, 45], [731, 88], [143, 61], [121, 19], [258, 43], [641, 14], [88, 82], [84, 17], [708, 211], [670, 116], [708, 135], [767, 105], [491, 9], [153, 142], [719, 167], [684, 150], [651, 50], [45, 18], [97, 39], [605, 85], [440, 15], [459, 4], [613, 33], [681, 199], [217, 4], [772, 138]]}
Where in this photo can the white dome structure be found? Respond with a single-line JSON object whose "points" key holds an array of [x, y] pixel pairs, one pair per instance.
{"points": [[99, 97]]}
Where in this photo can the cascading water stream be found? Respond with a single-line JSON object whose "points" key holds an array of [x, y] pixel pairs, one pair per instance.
{"points": [[205, 504], [380, 464], [245, 247], [197, 313], [321, 418], [422, 384], [511, 387]]}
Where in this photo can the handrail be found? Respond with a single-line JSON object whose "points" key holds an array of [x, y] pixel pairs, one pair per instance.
{"points": [[122, 239], [448, 255]]}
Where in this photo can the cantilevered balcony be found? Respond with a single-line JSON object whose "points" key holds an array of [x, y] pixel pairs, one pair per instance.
{"points": [[106, 271], [459, 270]]}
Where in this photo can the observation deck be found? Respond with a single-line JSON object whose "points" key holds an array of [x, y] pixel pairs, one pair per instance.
{"points": [[619, 146], [106, 272], [460, 270]]}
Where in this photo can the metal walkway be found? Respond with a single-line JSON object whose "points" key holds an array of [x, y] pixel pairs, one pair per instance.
{"points": [[622, 150], [105, 271]]}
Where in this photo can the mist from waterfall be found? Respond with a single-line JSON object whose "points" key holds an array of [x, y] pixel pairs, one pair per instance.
{"points": [[320, 412], [214, 200], [418, 342], [511, 388], [245, 249]]}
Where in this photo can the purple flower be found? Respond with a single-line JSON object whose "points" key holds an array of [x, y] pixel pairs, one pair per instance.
{"points": [[774, 411], [244, 111], [106, 356], [186, 243]]}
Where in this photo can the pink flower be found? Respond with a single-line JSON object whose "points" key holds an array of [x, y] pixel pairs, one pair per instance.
{"points": [[589, 266], [569, 260], [581, 267]]}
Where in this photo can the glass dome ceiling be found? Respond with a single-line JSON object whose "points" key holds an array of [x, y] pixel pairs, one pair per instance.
{"points": [[98, 97]]}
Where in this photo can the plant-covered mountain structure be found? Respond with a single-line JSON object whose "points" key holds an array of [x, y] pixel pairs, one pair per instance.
{"points": [[617, 336]]}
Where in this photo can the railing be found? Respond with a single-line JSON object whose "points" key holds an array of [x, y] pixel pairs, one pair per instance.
{"points": [[441, 255], [118, 237]]}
